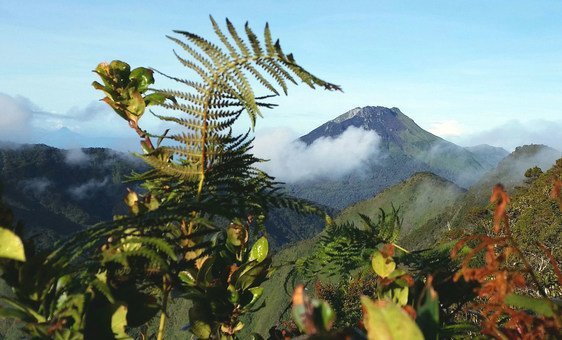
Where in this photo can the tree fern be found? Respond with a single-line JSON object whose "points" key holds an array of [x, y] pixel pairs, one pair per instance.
{"points": [[345, 247]]}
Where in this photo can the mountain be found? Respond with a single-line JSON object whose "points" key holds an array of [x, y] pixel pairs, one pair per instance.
{"points": [[63, 191], [57, 192], [468, 212], [420, 198], [488, 156], [405, 148], [429, 204]]}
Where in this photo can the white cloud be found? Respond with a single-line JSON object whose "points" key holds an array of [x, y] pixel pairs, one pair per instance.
{"points": [[76, 157], [37, 185], [291, 160], [516, 133], [15, 118], [87, 188], [446, 128]]}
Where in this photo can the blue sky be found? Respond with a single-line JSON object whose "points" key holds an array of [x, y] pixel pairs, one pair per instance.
{"points": [[462, 69]]}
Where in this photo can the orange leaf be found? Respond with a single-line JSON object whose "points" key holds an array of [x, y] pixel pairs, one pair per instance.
{"points": [[501, 199]]}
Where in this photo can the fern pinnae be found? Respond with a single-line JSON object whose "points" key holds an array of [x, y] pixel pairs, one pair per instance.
{"points": [[266, 66], [279, 69], [193, 66], [196, 55], [158, 243], [218, 57], [190, 97], [239, 42], [197, 86], [254, 42], [269, 46], [224, 39], [189, 109], [261, 78]]}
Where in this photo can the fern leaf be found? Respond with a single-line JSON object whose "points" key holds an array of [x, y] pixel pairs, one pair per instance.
{"points": [[239, 42]]}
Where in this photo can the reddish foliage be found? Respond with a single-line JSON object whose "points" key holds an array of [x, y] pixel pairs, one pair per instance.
{"points": [[501, 199], [496, 280]]}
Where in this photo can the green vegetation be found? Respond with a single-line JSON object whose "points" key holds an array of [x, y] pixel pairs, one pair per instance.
{"points": [[189, 255]]}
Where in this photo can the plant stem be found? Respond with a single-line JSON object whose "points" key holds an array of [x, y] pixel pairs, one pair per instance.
{"points": [[404, 250], [161, 326]]}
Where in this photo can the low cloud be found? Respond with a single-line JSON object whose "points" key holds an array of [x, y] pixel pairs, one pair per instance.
{"points": [[37, 185], [95, 125], [15, 118], [446, 128], [291, 160], [516, 133], [76, 157], [83, 190]]}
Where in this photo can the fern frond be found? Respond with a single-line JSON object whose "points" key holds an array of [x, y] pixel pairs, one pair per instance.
{"points": [[239, 42], [224, 39]]}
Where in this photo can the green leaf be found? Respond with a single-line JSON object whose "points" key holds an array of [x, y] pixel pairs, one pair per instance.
{"points": [[428, 314], [540, 306], [386, 320], [236, 234], [396, 273], [156, 98], [135, 106], [143, 77], [119, 322], [256, 294], [328, 315], [187, 278], [120, 72], [383, 266], [18, 305], [259, 250], [398, 295], [11, 246], [200, 329]]}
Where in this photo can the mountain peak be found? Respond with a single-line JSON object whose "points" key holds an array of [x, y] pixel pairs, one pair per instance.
{"points": [[389, 123], [366, 112]]}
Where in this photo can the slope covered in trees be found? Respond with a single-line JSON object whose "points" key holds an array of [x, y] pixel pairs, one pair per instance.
{"points": [[191, 247]]}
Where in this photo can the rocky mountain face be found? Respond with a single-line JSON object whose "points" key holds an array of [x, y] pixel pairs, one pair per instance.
{"points": [[405, 148]]}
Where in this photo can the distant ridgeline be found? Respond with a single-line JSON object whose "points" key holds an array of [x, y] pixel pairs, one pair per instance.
{"points": [[56, 192], [405, 148]]}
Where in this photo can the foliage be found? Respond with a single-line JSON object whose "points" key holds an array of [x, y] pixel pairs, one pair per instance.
{"points": [[194, 231], [345, 247], [195, 228], [504, 312]]}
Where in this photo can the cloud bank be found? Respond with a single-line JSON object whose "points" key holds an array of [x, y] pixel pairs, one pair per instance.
{"points": [[94, 125], [291, 160], [87, 188], [516, 133], [15, 118], [76, 157]]}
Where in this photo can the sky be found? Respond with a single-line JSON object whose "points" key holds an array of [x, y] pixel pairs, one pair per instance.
{"points": [[469, 71]]}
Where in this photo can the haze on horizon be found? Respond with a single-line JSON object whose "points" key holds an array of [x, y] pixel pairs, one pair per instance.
{"points": [[470, 71]]}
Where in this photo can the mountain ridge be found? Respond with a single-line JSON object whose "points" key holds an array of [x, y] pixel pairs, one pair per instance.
{"points": [[405, 148]]}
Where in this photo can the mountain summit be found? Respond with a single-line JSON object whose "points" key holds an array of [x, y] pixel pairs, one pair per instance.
{"points": [[389, 124], [401, 135]]}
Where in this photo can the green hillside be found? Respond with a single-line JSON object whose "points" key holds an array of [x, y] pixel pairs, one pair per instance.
{"points": [[429, 202], [468, 212], [420, 198]]}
